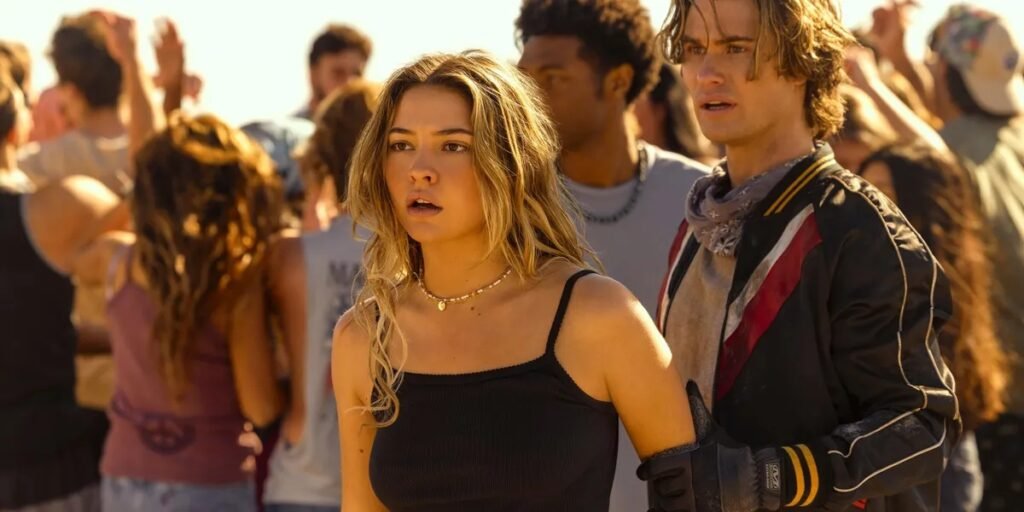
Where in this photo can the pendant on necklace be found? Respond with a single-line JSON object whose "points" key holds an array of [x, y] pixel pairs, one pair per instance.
{"points": [[442, 305]]}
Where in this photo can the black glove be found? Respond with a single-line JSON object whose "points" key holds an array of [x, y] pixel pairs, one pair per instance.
{"points": [[719, 474]]}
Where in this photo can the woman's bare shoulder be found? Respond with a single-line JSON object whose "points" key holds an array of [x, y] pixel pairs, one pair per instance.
{"points": [[350, 335], [603, 316], [592, 294]]}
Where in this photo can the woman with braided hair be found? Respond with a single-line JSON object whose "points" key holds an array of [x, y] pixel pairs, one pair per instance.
{"points": [[186, 312]]}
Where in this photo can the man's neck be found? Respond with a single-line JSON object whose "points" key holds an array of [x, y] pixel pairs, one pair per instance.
{"points": [[758, 156], [104, 122], [455, 268], [604, 161]]}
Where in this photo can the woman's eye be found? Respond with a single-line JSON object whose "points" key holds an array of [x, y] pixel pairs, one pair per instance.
{"points": [[736, 49], [695, 50], [454, 147], [400, 146]]}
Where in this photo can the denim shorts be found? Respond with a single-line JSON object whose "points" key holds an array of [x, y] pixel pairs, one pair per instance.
{"points": [[962, 481], [129, 495]]}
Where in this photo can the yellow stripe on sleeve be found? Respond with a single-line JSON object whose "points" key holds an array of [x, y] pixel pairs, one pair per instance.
{"points": [[798, 471], [812, 470]]}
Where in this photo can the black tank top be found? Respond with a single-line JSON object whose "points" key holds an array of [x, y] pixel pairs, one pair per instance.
{"points": [[50, 446], [36, 356], [521, 438]]}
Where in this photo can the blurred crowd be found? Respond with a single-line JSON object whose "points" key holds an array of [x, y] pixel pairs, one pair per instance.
{"points": [[169, 283]]}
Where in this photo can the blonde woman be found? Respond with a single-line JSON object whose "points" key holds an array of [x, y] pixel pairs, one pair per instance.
{"points": [[483, 367]]}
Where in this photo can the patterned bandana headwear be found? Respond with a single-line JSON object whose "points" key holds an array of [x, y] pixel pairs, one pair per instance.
{"points": [[979, 45]]}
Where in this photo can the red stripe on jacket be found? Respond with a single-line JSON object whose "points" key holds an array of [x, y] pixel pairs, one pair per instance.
{"points": [[673, 255], [760, 312]]}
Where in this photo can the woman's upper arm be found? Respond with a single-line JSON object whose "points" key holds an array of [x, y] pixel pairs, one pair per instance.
{"points": [[252, 356], [643, 384], [350, 378], [68, 215]]}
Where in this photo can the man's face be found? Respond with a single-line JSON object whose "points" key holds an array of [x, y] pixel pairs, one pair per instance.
{"points": [[731, 108], [579, 104], [333, 70]]}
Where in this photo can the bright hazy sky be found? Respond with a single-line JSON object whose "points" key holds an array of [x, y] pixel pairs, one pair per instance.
{"points": [[252, 55]]}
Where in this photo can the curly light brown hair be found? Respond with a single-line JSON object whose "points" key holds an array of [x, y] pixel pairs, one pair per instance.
{"points": [[805, 38], [340, 120], [205, 204]]}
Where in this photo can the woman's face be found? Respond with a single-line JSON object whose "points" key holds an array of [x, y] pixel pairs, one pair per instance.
{"points": [[429, 167]]}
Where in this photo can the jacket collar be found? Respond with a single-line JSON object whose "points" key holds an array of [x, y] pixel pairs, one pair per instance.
{"points": [[806, 171]]}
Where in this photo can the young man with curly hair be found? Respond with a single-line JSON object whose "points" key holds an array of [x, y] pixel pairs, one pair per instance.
{"points": [[592, 59], [799, 301]]}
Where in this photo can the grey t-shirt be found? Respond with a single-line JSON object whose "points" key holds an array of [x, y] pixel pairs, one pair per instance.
{"points": [[634, 252], [308, 472], [105, 158]]}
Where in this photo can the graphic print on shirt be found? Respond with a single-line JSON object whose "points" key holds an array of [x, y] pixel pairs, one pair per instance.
{"points": [[161, 433], [345, 279]]}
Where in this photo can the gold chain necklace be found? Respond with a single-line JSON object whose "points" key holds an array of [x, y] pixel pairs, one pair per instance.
{"points": [[442, 303]]}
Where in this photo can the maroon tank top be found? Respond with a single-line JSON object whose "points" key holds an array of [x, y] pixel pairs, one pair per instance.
{"points": [[151, 438]]}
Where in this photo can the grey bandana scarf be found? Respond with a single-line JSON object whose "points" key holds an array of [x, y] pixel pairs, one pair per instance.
{"points": [[716, 211]]}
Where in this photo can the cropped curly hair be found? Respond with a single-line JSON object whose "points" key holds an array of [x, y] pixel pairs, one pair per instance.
{"points": [[338, 37], [808, 41], [80, 56], [613, 32]]}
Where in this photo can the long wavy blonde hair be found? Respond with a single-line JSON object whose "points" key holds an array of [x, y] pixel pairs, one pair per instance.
{"points": [[526, 207]]}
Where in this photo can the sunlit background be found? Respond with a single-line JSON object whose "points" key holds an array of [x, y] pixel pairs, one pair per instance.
{"points": [[252, 55]]}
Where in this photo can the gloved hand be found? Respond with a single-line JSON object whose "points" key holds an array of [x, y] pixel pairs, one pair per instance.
{"points": [[719, 474]]}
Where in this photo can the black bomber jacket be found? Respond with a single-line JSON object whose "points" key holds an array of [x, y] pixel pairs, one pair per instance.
{"points": [[829, 344]]}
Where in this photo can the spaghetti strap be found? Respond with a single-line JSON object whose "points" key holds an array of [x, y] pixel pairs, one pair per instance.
{"points": [[563, 304], [121, 259]]}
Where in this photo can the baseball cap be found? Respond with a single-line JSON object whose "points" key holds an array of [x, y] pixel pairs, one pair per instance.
{"points": [[980, 45]]}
